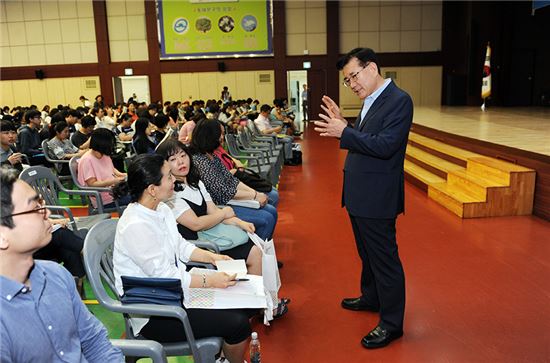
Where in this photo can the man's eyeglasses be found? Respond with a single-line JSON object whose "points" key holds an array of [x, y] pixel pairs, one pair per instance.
{"points": [[40, 208], [353, 76]]}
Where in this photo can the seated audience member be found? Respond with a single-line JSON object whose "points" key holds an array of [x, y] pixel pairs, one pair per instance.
{"points": [[161, 123], [43, 318], [44, 114], [81, 138], [148, 244], [124, 131], [102, 120], [72, 118], [60, 147], [222, 185], [194, 210], [132, 109], [152, 111], [8, 154], [65, 247], [277, 115], [142, 138], [96, 169], [99, 103], [85, 102], [110, 118], [29, 138], [262, 123], [233, 165]]}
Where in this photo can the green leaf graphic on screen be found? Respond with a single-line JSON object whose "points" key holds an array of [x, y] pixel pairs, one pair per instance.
{"points": [[203, 24]]}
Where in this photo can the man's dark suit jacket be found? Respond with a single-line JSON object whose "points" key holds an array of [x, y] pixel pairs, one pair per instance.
{"points": [[373, 172]]}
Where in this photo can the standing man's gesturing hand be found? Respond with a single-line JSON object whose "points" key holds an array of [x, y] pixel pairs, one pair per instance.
{"points": [[333, 124]]}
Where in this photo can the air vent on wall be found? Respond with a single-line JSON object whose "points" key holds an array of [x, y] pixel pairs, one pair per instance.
{"points": [[265, 78], [91, 84]]}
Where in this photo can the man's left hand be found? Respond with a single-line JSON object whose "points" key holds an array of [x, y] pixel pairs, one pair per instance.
{"points": [[331, 127]]}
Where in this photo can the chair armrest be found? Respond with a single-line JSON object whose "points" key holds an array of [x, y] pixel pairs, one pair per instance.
{"points": [[141, 348], [69, 214], [89, 193], [205, 245]]}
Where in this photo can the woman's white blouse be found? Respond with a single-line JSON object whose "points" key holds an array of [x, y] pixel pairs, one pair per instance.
{"points": [[148, 244]]}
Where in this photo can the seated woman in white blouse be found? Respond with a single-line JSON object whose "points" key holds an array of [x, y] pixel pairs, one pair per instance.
{"points": [[148, 244]]}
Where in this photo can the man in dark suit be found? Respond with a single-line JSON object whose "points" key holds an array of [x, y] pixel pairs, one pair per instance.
{"points": [[373, 192]]}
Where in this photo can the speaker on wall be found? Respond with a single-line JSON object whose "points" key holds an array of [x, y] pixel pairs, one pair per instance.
{"points": [[221, 66], [39, 74]]}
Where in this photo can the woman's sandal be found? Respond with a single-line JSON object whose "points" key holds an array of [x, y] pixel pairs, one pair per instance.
{"points": [[285, 300], [281, 310]]}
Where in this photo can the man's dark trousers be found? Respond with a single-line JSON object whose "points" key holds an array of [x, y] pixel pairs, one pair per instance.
{"points": [[382, 277]]}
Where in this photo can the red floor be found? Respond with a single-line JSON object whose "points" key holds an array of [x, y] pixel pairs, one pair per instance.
{"points": [[477, 290]]}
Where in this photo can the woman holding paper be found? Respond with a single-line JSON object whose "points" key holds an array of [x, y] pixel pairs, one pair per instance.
{"points": [[148, 244]]}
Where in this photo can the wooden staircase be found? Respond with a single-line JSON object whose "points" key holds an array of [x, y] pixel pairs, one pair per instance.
{"points": [[469, 184]]}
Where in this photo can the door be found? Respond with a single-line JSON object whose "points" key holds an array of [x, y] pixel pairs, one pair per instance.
{"points": [[317, 84]]}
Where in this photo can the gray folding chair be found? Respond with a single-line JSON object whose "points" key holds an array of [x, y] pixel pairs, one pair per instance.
{"points": [[47, 185], [73, 167], [141, 349], [56, 162], [99, 268]]}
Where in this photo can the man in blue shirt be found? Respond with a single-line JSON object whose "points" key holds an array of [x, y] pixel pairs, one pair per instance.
{"points": [[43, 318]]}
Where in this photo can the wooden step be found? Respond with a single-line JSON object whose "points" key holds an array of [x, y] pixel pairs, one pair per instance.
{"points": [[495, 169], [452, 197], [434, 164], [421, 174], [441, 147], [474, 183]]}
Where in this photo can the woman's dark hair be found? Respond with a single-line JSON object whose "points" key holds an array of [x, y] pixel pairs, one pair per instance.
{"points": [[103, 141], [141, 125], [95, 110], [160, 121], [206, 136], [170, 148], [125, 117], [144, 170], [8, 176], [59, 127]]}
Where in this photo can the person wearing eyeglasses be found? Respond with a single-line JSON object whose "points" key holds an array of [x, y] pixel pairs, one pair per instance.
{"points": [[43, 318], [373, 191]]}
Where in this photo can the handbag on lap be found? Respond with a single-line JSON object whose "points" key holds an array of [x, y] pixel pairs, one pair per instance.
{"points": [[151, 290], [225, 236]]}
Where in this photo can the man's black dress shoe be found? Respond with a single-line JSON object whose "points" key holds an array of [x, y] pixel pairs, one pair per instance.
{"points": [[357, 304], [380, 337]]}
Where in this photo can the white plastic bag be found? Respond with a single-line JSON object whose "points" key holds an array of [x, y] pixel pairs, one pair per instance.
{"points": [[270, 274]]}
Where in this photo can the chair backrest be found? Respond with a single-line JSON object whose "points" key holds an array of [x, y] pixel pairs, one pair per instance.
{"points": [[232, 144], [73, 168], [47, 152], [98, 255], [44, 182]]}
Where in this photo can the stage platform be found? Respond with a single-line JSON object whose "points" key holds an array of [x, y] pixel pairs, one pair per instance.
{"points": [[520, 128], [516, 135]]}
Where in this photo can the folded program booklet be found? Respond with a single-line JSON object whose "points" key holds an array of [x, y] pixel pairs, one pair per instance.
{"points": [[232, 267]]}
